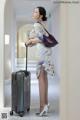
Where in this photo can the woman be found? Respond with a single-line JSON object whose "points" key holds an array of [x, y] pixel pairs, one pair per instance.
{"points": [[44, 64]]}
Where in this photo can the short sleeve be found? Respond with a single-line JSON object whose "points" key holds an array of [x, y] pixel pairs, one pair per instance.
{"points": [[38, 27], [39, 31]]}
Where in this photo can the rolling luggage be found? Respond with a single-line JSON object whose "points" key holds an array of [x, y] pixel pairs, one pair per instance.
{"points": [[20, 91]]}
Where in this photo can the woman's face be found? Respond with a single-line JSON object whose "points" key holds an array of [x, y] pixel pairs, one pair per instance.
{"points": [[36, 15]]}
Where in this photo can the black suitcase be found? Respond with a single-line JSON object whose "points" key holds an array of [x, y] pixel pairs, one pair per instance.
{"points": [[20, 91]]}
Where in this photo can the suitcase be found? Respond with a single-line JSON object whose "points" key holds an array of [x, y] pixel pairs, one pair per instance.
{"points": [[20, 91]]}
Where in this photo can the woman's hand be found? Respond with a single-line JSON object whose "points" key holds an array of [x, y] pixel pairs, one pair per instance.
{"points": [[32, 41], [28, 42]]}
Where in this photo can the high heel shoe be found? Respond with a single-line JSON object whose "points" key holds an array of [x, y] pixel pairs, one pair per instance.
{"points": [[43, 112], [48, 106]]}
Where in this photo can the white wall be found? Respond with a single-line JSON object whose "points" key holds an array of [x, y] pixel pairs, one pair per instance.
{"points": [[74, 62], [70, 64], [10, 29]]}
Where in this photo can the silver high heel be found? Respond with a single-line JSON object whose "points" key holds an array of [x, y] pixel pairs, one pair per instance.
{"points": [[44, 111]]}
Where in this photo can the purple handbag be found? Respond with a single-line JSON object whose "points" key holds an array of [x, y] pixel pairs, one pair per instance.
{"points": [[49, 41]]}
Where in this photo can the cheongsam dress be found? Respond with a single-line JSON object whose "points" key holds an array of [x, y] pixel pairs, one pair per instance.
{"points": [[44, 53]]}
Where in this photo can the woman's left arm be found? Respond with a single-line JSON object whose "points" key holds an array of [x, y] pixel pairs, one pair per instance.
{"points": [[33, 41]]}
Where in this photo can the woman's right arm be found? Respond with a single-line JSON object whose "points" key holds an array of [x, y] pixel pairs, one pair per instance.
{"points": [[36, 35]]}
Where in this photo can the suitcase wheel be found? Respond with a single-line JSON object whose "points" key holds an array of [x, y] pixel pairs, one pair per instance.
{"points": [[11, 112], [21, 114], [28, 109]]}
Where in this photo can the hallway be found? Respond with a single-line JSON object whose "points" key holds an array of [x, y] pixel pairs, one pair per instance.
{"points": [[18, 23], [64, 20]]}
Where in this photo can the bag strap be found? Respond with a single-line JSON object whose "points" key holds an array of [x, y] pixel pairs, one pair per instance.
{"points": [[44, 28]]}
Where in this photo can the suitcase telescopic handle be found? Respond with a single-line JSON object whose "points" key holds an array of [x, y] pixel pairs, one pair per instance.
{"points": [[26, 55]]}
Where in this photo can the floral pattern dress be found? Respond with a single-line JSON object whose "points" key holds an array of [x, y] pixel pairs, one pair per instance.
{"points": [[44, 53]]}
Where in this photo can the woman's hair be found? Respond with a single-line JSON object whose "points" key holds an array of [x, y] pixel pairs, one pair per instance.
{"points": [[42, 11]]}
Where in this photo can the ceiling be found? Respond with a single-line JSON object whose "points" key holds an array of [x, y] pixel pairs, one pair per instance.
{"points": [[24, 8]]}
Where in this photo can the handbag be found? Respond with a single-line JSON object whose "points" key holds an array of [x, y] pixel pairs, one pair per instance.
{"points": [[49, 41]]}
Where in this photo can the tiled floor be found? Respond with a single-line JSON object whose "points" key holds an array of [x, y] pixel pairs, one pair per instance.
{"points": [[29, 116]]}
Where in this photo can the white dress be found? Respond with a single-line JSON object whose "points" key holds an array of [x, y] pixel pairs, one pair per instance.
{"points": [[44, 53]]}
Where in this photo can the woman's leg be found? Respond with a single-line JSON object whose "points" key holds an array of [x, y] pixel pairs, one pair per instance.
{"points": [[43, 88], [46, 88]]}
